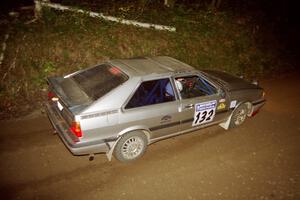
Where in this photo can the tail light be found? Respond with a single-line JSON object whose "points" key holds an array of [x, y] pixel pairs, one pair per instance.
{"points": [[75, 128], [50, 95]]}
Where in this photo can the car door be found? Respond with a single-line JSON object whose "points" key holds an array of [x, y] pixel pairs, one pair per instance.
{"points": [[154, 106], [201, 102]]}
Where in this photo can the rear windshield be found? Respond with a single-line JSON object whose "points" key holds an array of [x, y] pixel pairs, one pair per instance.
{"points": [[99, 80]]}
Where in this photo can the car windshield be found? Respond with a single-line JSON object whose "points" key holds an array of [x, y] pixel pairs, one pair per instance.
{"points": [[98, 81]]}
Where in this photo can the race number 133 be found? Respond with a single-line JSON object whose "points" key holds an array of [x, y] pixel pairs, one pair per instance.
{"points": [[204, 112]]}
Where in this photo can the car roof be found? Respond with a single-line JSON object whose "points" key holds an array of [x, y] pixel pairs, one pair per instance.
{"points": [[144, 66]]}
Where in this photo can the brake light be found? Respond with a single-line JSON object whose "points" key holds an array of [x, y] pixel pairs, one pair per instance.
{"points": [[115, 71], [76, 130]]}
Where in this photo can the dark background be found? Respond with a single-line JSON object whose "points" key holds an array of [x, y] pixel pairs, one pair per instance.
{"points": [[278, 18]]}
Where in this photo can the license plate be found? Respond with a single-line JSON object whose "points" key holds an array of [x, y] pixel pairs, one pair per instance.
{"points": [[60, 107]]}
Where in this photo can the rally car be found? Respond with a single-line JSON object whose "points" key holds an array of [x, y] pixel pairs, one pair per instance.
{"points": [[121, 106]]}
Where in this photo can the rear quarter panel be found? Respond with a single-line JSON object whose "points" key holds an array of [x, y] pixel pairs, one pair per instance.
{"points": [[101, 119]]}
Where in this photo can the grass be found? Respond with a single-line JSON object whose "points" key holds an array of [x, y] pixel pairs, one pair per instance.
{"points": [[61, 43]]}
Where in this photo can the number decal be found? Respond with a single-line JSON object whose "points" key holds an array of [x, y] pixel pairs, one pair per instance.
{"points": [[210, 114], [203, 116], [204, 112], [197, 117]]}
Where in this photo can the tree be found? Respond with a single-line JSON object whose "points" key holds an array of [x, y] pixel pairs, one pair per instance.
{"points": [[215, 4], [169, 3]]}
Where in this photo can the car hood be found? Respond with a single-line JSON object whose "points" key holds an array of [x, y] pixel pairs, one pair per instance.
{"points": [[230, 82]]}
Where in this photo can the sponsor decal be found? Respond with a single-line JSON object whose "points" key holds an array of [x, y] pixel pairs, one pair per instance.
{"points": [[98, 114], [232, 104], [221, 106], [222, 100]]}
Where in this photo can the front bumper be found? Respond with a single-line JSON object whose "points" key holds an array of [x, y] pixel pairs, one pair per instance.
{"points": [[256, 106], [74, 145]]}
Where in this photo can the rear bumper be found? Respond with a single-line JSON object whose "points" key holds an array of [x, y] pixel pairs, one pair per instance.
{"points": [[256, 106], [74, 145]]}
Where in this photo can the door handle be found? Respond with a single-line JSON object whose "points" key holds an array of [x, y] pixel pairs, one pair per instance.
{"points": [[189, 106]]}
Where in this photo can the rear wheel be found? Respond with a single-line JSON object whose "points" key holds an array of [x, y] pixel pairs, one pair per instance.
{"points": [[130, 147], [239, 116]]}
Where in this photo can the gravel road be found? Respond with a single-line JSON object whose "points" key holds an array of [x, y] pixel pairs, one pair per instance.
{"points": [[259, 160]]}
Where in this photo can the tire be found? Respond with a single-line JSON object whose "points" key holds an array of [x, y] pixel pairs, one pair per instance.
{"points": [[131, 147], [239, 116]]}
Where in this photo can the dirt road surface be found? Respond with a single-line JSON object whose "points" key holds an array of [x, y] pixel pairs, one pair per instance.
{"points": [[259, 160]]}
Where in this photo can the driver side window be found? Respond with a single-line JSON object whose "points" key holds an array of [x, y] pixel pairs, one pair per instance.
{"points": [[194, 86]]}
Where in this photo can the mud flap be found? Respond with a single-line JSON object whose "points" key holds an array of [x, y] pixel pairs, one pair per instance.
{"points": [[111, 146], [225, 124]]}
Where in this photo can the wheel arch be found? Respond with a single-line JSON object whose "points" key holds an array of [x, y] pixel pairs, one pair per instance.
{"points": [[143, 129]]}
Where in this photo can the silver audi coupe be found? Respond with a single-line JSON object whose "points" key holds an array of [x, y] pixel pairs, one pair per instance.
{"points": [[123, 105]]}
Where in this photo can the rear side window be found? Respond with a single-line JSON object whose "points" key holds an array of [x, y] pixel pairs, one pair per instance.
{"points": [[99, 80], [152, 92]]}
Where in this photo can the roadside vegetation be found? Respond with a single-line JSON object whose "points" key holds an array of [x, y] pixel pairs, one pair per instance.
{"points": [[63, 42]]}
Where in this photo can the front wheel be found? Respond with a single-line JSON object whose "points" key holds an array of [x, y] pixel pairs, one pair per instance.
{"points": [[239, 116], [130, 147]]}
